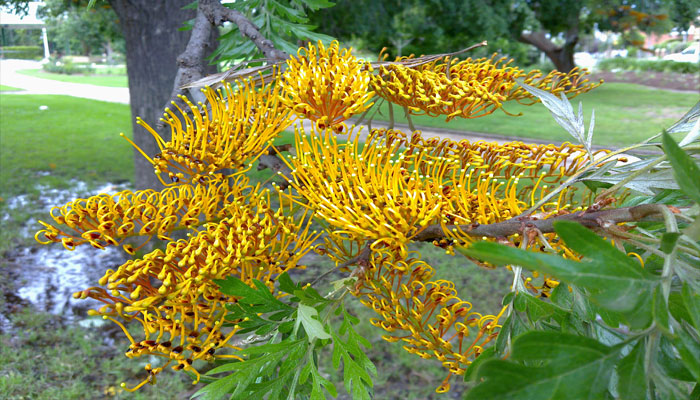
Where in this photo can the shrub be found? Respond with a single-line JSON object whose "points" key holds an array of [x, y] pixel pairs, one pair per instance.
{"points": [[633, 64], [22, 52], [580, 309], [68, 68]]}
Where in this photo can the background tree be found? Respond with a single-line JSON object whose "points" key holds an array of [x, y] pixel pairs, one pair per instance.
{"points": [[154, 41], [78, 30], [422, 27], [554, 28]]}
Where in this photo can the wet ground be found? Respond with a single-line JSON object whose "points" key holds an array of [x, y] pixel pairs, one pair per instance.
{"points": [[46, 276]]}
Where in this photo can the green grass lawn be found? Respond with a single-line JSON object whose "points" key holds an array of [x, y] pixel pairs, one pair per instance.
{"points": [[5, 88], [96, 79], [624, 114], [72, 139]]}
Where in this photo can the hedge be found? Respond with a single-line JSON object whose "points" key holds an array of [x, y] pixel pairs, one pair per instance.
{"points": [[22, 52], [68, 68], [633, 64]]}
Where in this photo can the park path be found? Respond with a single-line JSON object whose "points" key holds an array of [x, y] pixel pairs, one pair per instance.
{"points": [[31, 85]]}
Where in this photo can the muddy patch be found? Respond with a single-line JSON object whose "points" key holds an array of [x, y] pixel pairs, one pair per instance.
{"points": [[45, 277]]}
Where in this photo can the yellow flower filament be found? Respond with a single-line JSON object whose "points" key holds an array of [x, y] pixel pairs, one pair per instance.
{"points": [[326, 85]]}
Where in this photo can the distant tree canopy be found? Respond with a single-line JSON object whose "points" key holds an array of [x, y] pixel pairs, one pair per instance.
{"points": [[554, 27], [76, 29]]}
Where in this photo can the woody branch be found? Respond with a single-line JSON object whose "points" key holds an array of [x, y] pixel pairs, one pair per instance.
{"points": [[210, 14], [590, 218]]}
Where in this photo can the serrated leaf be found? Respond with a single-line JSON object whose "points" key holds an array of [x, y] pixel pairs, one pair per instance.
{"points": [[507, 298], [662, 179], [217, 389], [691, 300], [573, 367], [260, 294], [677, 308], [538, 309], [318, 4], [319, 381], [668, 241], [283, 347], [503, 333], [562, 296], [689, 351], [247, 372], [308, 317], [286, 284], [685, 168], [632, 382], [563, 113], [593, 185], [660, 310], [667, 359], [613, 280], [357, 366]]}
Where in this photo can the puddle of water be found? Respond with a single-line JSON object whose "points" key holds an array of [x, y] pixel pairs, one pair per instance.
{"points": [[47, 276]]}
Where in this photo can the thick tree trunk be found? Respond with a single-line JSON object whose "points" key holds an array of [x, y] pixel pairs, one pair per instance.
{"points": [[562, 56], [153, 43]]}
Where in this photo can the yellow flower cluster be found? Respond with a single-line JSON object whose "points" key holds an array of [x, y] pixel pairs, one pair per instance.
{"points": [[326, 85], [173, 294], [368, 192], [233, 129], [426, 315], [469, 88], [392, 187], [105, 220], [383, 194]]}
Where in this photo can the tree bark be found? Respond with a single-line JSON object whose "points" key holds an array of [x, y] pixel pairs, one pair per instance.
{"points": [[153, 43], [562, 56]]}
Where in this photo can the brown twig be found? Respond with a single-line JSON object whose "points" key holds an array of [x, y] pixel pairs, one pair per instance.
{"points": [[191, 62], [219, 14], [210, 14], [587, 218], [274, 163], [243, 73], [362, 259]]}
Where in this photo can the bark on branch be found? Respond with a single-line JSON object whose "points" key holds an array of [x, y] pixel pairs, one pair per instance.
{"points": [[562, 56], [218, 14], [590, 219], [210, 14]]}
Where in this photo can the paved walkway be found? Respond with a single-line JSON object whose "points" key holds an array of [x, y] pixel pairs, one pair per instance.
{"points": [[32, 85]]}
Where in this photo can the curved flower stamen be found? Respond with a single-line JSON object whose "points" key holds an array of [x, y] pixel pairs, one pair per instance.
{"points": [[326, 85]]}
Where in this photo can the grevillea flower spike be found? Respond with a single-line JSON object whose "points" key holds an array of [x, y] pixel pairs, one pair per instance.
{"points": [[234, 127], [326, 85], [173, 295], [468, 88]]}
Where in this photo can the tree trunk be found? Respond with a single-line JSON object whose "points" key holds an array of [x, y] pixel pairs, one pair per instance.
{"points": [[153, 43], [561, 56]]}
